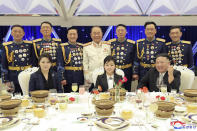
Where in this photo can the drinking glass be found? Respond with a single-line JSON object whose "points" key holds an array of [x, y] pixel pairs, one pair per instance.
{"points": [[74, 87]]}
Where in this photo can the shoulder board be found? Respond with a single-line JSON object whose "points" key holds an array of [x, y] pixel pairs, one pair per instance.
{"points": [[64, 44], [140, 40], [186, 42], [106, 42], [80, 44], [112, 40], [26, 41], [86, 44], [7, 43], [168, 43], [160, 39], [131, 41], [36, 40], [55, 39]]}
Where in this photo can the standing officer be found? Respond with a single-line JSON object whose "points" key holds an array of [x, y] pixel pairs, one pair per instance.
{"points": [[179, 50], [147, 50], [71, 61], [17, 56], [94, 53], [123, 50], [47, 44]]}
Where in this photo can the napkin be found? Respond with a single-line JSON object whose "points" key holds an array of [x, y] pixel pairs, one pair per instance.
{"points": [[109, 126]]}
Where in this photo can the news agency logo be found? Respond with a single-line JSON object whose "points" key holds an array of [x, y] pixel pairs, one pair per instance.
{"points": [[182, 125]]}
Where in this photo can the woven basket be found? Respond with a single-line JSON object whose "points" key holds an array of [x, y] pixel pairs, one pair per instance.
{"points": [[10, 104]]}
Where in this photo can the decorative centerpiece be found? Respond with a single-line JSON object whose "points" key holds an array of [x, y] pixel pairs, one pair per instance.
{"points": [[10, 107], [104, 107], [165, 109], [39, 96]]}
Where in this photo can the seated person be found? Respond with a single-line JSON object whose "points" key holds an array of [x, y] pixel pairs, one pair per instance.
{"points": [[162, 74], [106, 81], [45, 78]]}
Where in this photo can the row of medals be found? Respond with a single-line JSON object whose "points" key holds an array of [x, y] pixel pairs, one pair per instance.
{"points": [[21, 53], [76, 55], [50, 48], [150, 53], [176, 54], [120, 54]]}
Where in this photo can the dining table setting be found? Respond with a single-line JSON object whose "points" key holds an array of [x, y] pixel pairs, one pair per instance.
{"points": [[101, 111]]}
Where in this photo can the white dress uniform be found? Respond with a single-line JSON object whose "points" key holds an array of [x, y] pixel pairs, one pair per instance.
{"points": [[93, 57]]}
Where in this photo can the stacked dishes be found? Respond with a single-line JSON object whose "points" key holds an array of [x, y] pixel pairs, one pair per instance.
{"points": [[190, 95], [165, 109], [39, 96], [122, 94], [104, 107]]}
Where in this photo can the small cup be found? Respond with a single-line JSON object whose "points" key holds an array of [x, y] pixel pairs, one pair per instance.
{"points": [[81, 89]]}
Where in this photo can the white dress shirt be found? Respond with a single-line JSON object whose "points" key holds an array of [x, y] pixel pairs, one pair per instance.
{"points": [[110, 81]]}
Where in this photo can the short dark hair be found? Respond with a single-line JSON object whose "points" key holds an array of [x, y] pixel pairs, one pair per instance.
{"points": [[96, 26], [43, 55], [164, 55], [72, 28], [175, 27], [122, 26], [150, 23], [17, 26], [46, 22], [109, 58]]}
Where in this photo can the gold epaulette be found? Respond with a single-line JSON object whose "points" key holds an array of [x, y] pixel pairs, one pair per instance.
{"points": [[26, 41], [7, 43], [186, 42], [80, 44], [112, 40], [140, 40], [160, 39], [130, 41], [168, 43], [55, 39], [86, 44], [106, 42], [64, 44], [36, 40]]}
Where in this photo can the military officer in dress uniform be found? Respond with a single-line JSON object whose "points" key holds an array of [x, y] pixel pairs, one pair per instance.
{"points": [[17, 55], [179, 50], [123, 50], [94, 53], [47, 44], [147, 50], [71, 61]]}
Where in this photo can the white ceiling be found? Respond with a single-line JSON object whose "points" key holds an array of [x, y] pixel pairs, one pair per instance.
{"points": [[99, 12]]}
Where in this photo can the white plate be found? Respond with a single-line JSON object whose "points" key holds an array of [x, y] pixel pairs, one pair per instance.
{"points": [[193, 117]]}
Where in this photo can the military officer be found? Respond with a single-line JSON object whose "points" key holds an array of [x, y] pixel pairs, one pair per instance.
{"points": [[94, 53], [47, 44], [71, 60], [179, 50], [123, 50], [147, 50], [17, 55]]}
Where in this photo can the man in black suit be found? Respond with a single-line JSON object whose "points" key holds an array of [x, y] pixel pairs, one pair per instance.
{"points": [[162, 74]]}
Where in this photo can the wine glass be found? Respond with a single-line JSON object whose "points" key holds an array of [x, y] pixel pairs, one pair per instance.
{"points": [[74, 87]]}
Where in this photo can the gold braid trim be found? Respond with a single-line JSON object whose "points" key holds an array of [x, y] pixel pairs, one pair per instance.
{"points": [[63, 52], [34, 44], [69, 59], [113, 52], [41, 51], [142, 52], [9, 57]]}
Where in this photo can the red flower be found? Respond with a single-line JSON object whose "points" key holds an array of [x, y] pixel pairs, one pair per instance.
{"points": [[125, 79], [95, 92], [120, 81], [72, 99], [158, 96], [162, 98]]}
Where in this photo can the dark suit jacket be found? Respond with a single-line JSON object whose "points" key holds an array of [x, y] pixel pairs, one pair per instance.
{"points": [[102, 81], [150, 80], [37, 81]]}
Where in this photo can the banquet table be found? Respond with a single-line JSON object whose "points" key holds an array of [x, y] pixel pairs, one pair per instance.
{"points": [[67, 120]]}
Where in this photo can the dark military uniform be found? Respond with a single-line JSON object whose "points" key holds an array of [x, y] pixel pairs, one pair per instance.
{"points": [[124, 53], [51, 47], [16, 57], [71, 61], [181, 53], [146, 55]]}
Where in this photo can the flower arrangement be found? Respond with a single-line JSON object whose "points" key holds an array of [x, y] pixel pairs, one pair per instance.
{"points": [[117, 87], [162, 98]]}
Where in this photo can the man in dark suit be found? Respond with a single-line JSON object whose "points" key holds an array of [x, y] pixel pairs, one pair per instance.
{"points": [[162, 74]]}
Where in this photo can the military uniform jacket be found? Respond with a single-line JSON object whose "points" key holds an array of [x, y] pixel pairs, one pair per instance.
{"points": [[43, 46], [147, 52], [71, 58], [93, 57], [181, 53], [123, 52], [15, 58]]}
